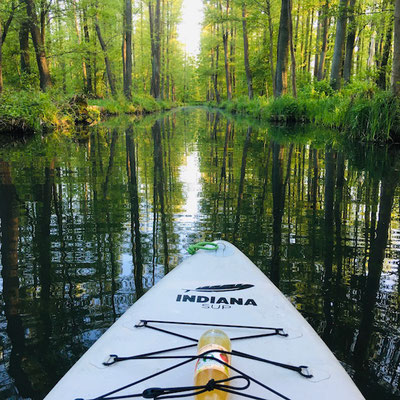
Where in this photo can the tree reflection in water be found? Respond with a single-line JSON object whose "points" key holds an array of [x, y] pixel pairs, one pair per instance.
{"points": [[89, 226]]}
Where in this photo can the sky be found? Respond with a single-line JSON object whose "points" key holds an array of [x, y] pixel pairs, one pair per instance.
{"points": [[190, 28]]}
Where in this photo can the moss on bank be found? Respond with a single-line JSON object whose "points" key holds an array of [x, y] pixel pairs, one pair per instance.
{"points": [[27, 112], [360, 111]]}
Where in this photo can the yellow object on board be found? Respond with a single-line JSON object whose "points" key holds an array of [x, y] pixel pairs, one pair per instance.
{"points": [[209, 368]]}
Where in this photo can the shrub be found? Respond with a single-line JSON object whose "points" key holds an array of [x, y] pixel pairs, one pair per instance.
{"points": [[323, 88], [360, 109], [287, 108], [30, 111]]}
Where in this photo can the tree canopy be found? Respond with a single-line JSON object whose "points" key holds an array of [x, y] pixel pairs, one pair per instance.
{"points": [[248, 47]]}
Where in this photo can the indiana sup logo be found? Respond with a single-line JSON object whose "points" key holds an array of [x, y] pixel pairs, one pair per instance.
{"points": [[221, 288], [217, 302]]}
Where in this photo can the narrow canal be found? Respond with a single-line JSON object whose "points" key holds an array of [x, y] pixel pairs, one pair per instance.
{"points": [[90, 224]]}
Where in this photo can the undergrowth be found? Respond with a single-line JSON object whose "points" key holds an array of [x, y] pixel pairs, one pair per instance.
{"points": [[140, 104], [30, 111], [360, 110]]}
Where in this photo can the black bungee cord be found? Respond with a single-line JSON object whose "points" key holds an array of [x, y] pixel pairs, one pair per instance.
{"points": [[179, 392]]}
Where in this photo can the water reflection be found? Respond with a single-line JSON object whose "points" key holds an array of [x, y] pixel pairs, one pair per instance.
{"points": [[87, 227]]}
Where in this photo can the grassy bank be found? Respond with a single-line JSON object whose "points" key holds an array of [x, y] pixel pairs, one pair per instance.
{"points": [[25, 112], [360, 111], [139, 105]]}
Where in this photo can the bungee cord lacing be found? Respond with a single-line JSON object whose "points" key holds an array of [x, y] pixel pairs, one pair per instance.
{"points": [[186, 391]]}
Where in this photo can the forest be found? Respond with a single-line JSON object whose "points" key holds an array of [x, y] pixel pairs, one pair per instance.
{"points": [[332, 62]]}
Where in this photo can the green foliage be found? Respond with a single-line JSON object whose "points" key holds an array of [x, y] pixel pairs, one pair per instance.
{"points": [[140, 104], [287, 108], [323, 88], [361, 111], [373, 118], [31, 111]]}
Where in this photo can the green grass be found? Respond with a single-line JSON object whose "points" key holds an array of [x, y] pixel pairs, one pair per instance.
{"points": [[360, 110], [138, 105], [32, 111]]}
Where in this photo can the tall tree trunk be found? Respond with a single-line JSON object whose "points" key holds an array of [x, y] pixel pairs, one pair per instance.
{"points": [[155, 28], [163, 37], [337, 59], [360, 51], [78, 35], [282, 51], [167, 52], [371, 48], [128, 50], [306, 37], [142, 43], [271, 44], [232, 51], [89, 84], [317, 41], [324, 46], [395, 84], [24, 47], [215, 76], [1, 60], [292, 54], [310, 42], [227, 72], [3, 35], [351, 37], [296, 34], [210, 95], [60, 44], [225, 33], [246, 53], [95, 70], [106, 59], [123, 50], [381, 80], [37, 38]]}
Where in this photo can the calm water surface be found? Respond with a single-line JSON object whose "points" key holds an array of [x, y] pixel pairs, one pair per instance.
{"points": [[88, 225]]}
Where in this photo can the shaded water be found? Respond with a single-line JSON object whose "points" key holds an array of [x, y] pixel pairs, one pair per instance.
{"points": [[87, 226]]}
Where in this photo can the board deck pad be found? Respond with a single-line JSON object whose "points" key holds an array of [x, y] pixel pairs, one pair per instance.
{"points": [[216, 287]]}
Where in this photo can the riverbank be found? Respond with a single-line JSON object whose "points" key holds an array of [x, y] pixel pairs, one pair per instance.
{"points": [[361, 112], [24, 112]]}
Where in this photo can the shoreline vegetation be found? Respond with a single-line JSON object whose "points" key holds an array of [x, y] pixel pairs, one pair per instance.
{"points": [[361, 111], [24, 113]]}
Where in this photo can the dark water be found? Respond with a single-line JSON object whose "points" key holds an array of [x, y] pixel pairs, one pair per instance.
{"points": [[88, 225]]}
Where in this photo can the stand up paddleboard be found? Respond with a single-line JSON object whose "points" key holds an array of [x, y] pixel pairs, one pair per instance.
{"points": [[275, 352]]}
